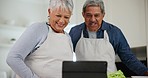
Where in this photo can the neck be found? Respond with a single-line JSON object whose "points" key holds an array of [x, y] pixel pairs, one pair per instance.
{"points": [[54, 29]]}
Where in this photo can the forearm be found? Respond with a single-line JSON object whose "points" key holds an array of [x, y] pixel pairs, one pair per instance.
{"points": [[19, 67], [136, 66], [16, 57], [130, 60]]}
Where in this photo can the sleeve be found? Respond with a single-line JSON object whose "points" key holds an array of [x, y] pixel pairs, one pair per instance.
{"points": [[24, 45], [127, 57], [75, 34]]}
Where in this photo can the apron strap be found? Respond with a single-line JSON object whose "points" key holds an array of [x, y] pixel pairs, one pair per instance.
{"points": [[106, 35], [81, 34]]}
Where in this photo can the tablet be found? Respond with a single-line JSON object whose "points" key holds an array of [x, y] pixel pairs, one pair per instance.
{"points": [[84, 69]]}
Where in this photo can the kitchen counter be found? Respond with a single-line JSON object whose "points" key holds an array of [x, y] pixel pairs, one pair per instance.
{"points": [[139, 76]]}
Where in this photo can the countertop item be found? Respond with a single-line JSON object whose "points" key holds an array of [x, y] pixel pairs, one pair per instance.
{"points": [[139, 76]]}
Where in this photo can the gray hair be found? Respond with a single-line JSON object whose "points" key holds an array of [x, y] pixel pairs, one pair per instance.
{"points": [[98, 3], [65, 4]]}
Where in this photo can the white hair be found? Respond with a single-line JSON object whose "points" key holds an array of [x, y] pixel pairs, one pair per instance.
{"points": [[65, 4], [99, 3]]}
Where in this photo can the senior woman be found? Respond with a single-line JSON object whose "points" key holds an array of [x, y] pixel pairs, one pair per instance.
{"points": [[40, 50]]}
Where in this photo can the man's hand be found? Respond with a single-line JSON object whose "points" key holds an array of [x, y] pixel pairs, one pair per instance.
{"points": [[146, 73]]}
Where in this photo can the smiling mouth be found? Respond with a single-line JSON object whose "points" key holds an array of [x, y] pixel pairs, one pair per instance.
{"points": [[60, 25], [93, 24]]}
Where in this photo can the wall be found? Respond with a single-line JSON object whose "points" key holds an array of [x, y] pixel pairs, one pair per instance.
{"points": [[22, 12], [129, 15]]}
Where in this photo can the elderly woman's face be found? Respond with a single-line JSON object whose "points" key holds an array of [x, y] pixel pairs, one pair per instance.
{"points": [[59, 19]]}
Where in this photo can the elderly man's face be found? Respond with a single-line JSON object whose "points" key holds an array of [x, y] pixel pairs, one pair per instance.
{"points": [[93, 18]]}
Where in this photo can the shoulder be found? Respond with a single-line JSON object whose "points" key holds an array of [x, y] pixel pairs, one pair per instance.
{"points": [[115, 33], [39, 26], [37, 30], [112, 28], [78, 27]]}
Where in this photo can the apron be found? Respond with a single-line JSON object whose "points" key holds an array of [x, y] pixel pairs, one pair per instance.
{"points": [[46, 61], [96, 50]]}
